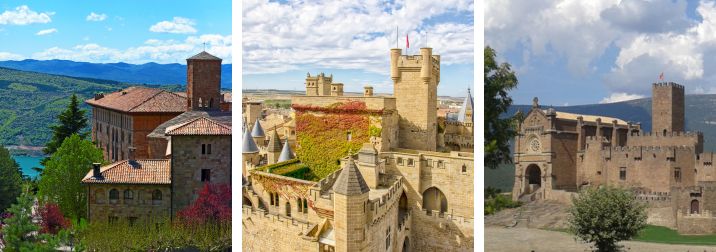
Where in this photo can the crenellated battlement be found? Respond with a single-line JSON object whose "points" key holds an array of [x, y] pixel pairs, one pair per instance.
{"points": [[648, 149], [668, 84], [668, 134], [381, 206]]}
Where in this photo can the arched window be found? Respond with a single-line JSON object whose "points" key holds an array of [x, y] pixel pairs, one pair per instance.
{"points": [[305, 206], [464, 168], [288, 209], [157, 197], [99, 196], [128, 195], [113, 196], [434, 200], [200, 103]]}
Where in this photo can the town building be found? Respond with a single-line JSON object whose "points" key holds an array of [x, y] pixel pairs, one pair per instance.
{"points": [[370, 173], [185, 143]]}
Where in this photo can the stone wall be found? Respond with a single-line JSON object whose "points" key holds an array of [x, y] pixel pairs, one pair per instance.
{"points": [[203, 84], [100, 208], [441, 233], [667, 107], [267, 232], [188, 162]]}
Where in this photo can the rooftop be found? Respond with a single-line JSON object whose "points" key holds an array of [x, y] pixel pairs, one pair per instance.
{"points": [[141, 171], [203, 56], [222, 117], [141, 100], [589, 118], [199, 126]]}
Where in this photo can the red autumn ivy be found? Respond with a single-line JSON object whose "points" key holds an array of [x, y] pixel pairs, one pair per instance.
{"points": [[212, 205]]}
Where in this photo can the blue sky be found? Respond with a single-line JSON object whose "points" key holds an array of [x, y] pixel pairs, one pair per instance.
{"points": [[570, 52], [282, 41], [113, 31]]}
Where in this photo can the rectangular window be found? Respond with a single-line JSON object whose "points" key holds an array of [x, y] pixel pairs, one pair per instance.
{"points": [[622, 173], [208, 149], [411, 162], [205, 175], [429, 163], [677, 175], [400, 161], [441, 164], [203, 149]]}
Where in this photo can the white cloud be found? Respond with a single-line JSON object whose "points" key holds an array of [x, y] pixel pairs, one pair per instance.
{"points": [[177, 25], [10, 56], [22, 15], [46, 32], [620, 97], [349, 34], [96, 17], [152, 50]]}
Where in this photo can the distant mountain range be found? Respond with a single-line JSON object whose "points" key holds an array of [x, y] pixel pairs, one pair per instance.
{"points": [[149, 73], [31, 101]]}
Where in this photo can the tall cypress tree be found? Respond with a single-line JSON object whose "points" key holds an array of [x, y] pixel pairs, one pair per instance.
{"points": [[72, 121], [10, 179]]}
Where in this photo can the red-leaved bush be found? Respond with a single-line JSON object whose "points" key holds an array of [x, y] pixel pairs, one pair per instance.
{"points": [[52, 219], [212, 205]]}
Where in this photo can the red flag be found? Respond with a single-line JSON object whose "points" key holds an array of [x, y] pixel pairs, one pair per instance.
{"points": [[661, 76], [407, 42]]}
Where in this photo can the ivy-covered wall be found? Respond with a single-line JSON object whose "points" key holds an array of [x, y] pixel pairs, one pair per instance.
{"points": [[327, 134]]}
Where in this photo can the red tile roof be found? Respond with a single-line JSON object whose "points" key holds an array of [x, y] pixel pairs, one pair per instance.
{"points": [[199, 126], [141, 99], [141, 171]]}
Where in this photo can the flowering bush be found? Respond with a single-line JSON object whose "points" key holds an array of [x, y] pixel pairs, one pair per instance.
{"points": [[213, 205], [52, 219]]}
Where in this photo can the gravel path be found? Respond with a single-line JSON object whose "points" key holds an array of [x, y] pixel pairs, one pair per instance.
{"points": [[538, 240]]}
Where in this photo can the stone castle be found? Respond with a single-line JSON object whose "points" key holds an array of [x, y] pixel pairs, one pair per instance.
{"points": [[164, 146], [370, 173], [557, 153]]}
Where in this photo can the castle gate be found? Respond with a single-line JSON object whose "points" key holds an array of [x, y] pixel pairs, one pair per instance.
{"points": [[434, 200], [533, 178]]}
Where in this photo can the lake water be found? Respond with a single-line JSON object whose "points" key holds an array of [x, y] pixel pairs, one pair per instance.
{"points": [[26, 164]]}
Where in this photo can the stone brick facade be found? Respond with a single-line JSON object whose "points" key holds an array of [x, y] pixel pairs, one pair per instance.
{"points": [[142, 204]]}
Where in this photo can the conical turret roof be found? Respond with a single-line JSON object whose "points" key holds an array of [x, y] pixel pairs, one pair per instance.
{"points": [[257, 131], [248, 146], [467, 105], [350, 181], [274, 143], [286, 153]]}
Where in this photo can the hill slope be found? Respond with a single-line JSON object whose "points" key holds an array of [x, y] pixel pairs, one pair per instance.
{"points": [[149, 73], [31, 102], [699, 117]]}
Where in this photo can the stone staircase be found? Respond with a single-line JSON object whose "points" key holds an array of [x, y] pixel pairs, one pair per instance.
{"points": [[537, 214]]}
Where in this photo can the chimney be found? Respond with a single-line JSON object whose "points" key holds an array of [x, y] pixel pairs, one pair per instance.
{"points": [[95, 171], [130, 156], [98, 96]]}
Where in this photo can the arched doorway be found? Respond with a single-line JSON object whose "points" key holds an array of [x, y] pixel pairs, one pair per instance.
{"points": [[533, 178], [406, 244], [695, 207], [246, 201], [434, 200], [402, 209]]}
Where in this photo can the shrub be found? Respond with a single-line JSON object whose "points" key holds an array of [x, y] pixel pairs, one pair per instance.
{"points": [[52, 219], [212, 205], [495, 202], [605, 216]]}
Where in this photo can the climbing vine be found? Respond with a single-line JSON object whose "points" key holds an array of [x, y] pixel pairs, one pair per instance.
{"points": [[327, 134], [289, 189]]}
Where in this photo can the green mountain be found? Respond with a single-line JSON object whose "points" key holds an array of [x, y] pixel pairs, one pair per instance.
{"points": [[699, 117], [31, 101]]}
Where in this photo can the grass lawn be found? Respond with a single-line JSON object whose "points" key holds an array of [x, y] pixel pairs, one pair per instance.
{"points": [[659, 234]]}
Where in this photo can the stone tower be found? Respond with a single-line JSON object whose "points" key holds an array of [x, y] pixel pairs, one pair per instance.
{"points": [[273, 149], [667, 108], [203, 82], [318, 85], [350, 199], [415, 81]]}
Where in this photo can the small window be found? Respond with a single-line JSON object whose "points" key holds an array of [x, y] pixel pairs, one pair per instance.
{"points": [[400, 161], [429, 163], [128, 194], [622, 173], [113, 196], [464, 168], [441, 164], [411, 162], [271, 199], [305, 206], [677, 175], [203, 149], [349, 136], [208, 149], [157, 197], [205, 175]]}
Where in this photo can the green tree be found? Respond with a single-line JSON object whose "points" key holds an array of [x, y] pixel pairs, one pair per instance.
{"points": [[499, 79], [604, 216], [10, 179], [61, 179], [72, 121], [19, 233]]}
